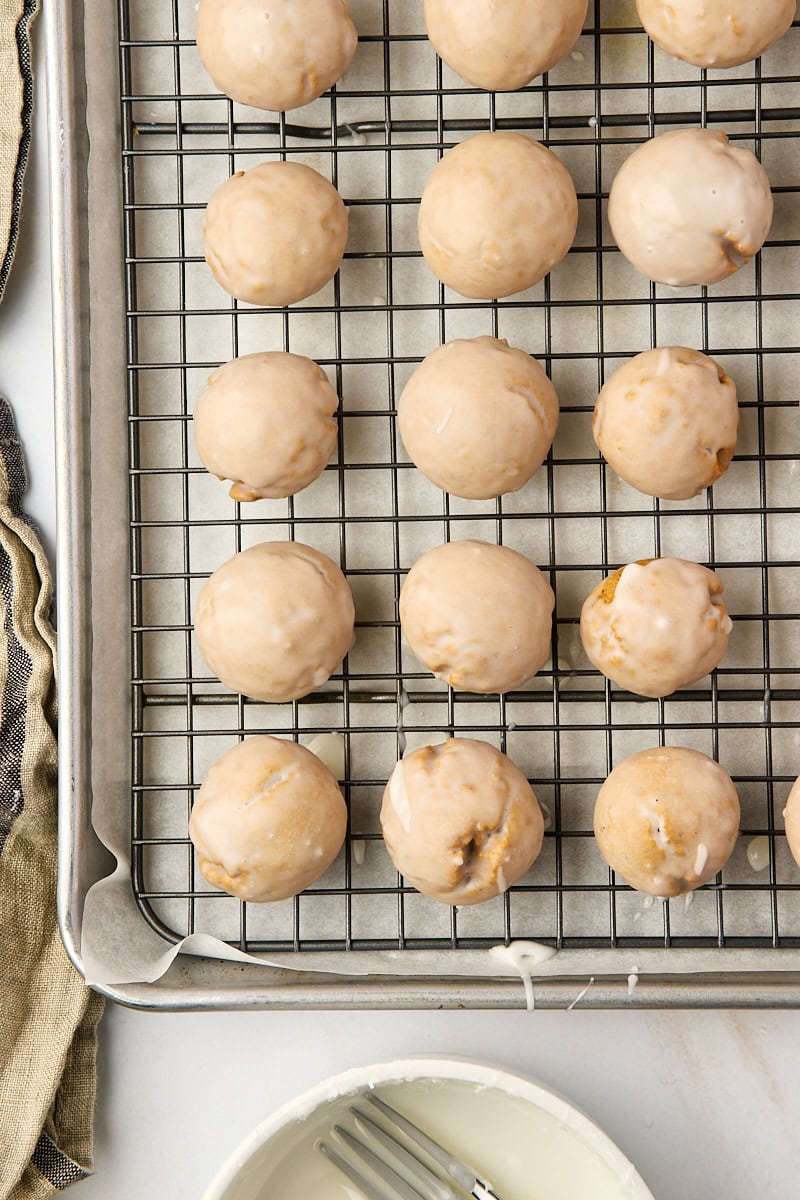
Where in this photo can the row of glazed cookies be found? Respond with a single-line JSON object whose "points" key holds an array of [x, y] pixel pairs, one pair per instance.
{"points": [[270, 819], [282, 54], [276, 620], [477, 417], [498, 212]]}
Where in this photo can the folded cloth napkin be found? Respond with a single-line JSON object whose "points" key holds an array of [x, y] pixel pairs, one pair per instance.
{"points": [[48, 1017], [16, 106]]}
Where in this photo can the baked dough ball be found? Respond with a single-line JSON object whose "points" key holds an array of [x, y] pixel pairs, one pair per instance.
{"points": [[460, 821], [478, 616], [268, 820], [656, 625], [666, 820], [275, 621], [716, 33], [687, 207], [275, 54], [266, 422], [497, 213], [275, 234], [502, 47], [791, 816], [667, 422], [478, 417]]}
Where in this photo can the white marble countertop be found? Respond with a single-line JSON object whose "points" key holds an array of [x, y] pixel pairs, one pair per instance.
{"points": [[707, 1104]]}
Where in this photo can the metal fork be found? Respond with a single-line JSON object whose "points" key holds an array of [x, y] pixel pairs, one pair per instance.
{"points": [[375, 1148]]}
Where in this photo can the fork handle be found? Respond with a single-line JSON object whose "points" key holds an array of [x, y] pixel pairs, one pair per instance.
{"points": [[482, 1191]]}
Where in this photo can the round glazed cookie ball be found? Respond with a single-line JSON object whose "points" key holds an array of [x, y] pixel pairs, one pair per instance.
{"points": [[791, 817], [715, 33], [478, 417], [478, 616], [666, 820], [502, 47], [687, 207], [268, 820], [656, 625], [275, 234], [667, 422], [275, 54], [497, 213], [275, 621], [265, 421], [460, 821]]}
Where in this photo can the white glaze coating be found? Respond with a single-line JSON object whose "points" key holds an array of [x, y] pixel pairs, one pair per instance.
{"points": [[667, 422], [275, 234], [581, 994], [329, 748], [268, 820], [655, 626], [666, 820], [502, 47], [275, 54], [275, 621], [716, 33], [478, 616], [791, 816], [460, 821], [497, 213], [758, 853], [265, 421], [688, 207], [478, 417], [524, 957]]}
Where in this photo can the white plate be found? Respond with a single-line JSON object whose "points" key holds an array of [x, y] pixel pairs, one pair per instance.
{"points": [[530, 1143]]}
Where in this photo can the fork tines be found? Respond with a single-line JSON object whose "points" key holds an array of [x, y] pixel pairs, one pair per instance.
{"points": [[374, 1153]]}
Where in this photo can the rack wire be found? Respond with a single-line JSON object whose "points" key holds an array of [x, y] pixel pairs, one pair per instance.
{"points": [[376, 136]]}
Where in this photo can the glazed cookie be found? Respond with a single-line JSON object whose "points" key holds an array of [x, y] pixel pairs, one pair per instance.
{"points": [[667, 820], [667, 422], [502, 47], [656, 625], [716, 33], [460, 821], [275, 234], [265, 421], [688, 207], [275, 621], [275, 54], [478, 417], [268, 820], [478, 616], [497, 213], [791, 816]]}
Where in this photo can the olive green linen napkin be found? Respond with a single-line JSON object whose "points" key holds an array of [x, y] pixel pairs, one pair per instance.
{"points": [[48, 1017]]}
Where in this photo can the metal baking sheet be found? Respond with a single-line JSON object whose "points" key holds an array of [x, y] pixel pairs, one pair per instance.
{"points": [[138, 143]]}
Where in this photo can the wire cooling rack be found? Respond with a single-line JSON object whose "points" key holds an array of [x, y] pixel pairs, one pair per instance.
{"points": [[376, 137]]}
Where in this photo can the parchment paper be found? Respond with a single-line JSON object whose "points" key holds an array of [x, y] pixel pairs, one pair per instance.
{"points": [[546, 520]]}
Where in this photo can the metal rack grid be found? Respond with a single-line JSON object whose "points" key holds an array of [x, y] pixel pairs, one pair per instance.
{"points": [[376, 136]]}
